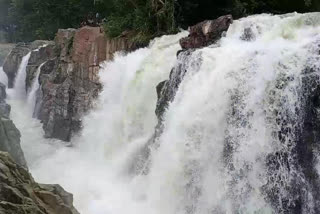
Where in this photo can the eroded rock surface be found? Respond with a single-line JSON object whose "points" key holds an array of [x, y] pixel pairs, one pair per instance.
{"points": [[70, 81], [9, 134], [13, 60], [42, 54], [20, 194], [206, 33]]}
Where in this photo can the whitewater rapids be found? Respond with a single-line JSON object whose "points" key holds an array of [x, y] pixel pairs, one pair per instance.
{"points": [[230, 98]]}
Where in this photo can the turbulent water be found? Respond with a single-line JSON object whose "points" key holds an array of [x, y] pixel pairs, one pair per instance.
{"points": [[228, 140]]}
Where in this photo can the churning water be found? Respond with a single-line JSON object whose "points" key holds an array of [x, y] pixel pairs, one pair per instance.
{"points": [[225, 135]]}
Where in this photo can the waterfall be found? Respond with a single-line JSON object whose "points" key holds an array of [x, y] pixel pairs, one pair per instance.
{"points": [[240, 135], [34, 88], [19, 90], [115, 130], [230, 135]]}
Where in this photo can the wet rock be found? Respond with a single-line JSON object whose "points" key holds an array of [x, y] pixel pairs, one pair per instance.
{"points": [[10, 140], [20, 194], [13, 60], [206, 33], [9, 134], [3, 94], [166, 90], [46, 51], [70, 81], [68, 77], [4, 107], [247, 35]]}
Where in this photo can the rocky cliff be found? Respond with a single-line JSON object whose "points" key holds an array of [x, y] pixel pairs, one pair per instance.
{"points": [[69, 82], [20, 194], [13, 60], [9, 134], [4, 51], [68, 77]]}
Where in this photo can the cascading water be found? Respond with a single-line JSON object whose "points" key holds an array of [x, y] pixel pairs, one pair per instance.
{"points": [[228, 144], [19, 82], [34, 88], [234, 138]]}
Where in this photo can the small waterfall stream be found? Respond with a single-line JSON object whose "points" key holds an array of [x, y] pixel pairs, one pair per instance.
{"points": [[19, 90], [31, 100]]}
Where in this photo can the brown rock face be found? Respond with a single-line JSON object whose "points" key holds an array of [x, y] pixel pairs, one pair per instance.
{"points": [[206, 32], [70, 82], [20, 194]]}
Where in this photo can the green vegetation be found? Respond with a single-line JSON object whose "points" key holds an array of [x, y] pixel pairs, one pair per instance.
{"points": [[27, 20]]}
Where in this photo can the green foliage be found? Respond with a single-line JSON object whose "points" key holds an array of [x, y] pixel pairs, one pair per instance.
{"points": [[192, 11], [146, 18], [27, 20]]}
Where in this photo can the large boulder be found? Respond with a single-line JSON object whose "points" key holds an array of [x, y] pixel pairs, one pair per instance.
{"points": [[206, 32], [20, 194]]}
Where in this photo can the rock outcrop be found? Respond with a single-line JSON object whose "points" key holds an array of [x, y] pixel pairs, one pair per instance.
{"points": [[206, 32], [4, 107], [4, 51], [68, 77], [41, 54], [10, 141], [70, 82], [9, 134], [13, 60], [201, 35], [20, 194]]}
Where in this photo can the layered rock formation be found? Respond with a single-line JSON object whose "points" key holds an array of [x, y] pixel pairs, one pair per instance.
{"points": [[69, 82], [9, 134], [20, 194]]}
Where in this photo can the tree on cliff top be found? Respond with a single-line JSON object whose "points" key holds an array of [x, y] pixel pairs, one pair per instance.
{"points": [[145, 18], [27, 20]]}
